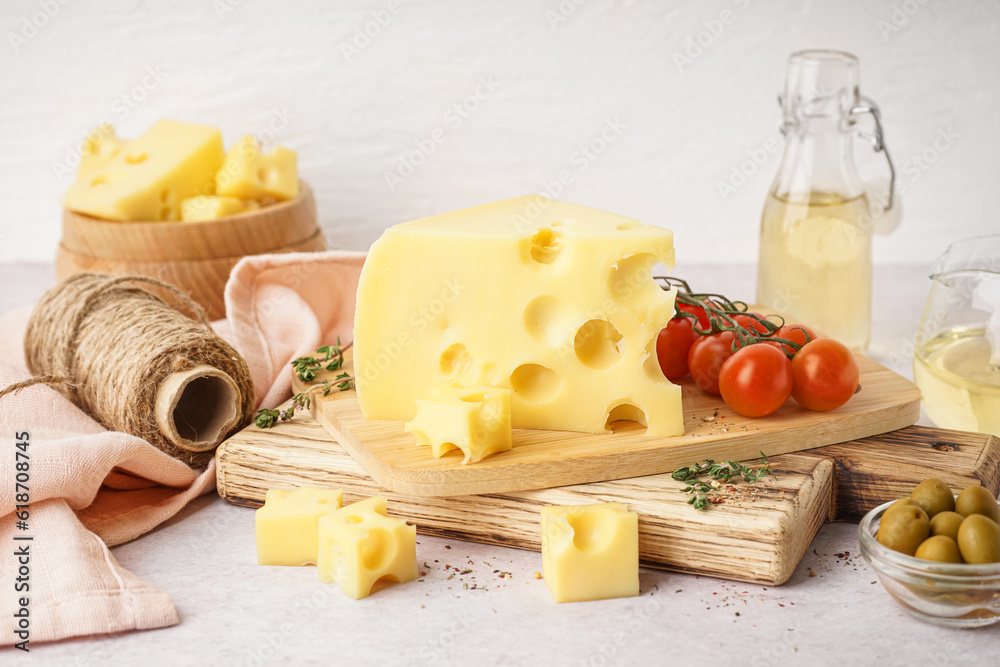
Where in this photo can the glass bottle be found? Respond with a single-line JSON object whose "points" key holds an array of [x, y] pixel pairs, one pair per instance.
{"points": [[815, 243]]}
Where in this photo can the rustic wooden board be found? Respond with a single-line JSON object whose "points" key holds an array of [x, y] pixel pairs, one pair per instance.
{"points": [[872, 471], [545, 459], [760, 537], [759, 534]]}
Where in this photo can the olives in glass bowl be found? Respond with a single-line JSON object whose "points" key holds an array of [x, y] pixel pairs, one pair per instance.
{"points": [[938, 588]]}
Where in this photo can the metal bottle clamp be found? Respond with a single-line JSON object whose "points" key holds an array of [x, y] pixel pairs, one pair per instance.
{"points": [[878, 141]]}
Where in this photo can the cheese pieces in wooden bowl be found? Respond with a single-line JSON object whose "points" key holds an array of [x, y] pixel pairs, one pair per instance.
{"points": [[174, 205]]}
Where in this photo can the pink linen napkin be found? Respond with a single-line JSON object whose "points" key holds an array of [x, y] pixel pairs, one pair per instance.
{"points": [[91, 489]]}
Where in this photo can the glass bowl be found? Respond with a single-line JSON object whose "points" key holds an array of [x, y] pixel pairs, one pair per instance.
{"points": [[948, 594]]}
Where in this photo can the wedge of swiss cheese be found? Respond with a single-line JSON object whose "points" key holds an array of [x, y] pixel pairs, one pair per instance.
{"points": [[551, 300]]}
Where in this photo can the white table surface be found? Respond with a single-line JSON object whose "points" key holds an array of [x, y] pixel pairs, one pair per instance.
{"points": [[234, 612]]}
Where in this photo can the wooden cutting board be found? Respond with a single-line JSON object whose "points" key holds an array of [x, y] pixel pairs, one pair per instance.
{"points": [[545, 459], [757, 534]]}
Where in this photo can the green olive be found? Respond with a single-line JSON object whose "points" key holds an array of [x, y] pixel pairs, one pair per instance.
{"points": [[977, 500], [979, 539], [904, 529], [933, 496], [946, 523], [902, 502], [940, 548]]}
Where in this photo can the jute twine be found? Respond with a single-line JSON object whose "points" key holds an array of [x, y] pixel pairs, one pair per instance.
{"points": [[107, 344]]}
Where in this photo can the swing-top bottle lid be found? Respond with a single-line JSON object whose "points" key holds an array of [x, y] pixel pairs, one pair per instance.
{"points": [[820, 84]]}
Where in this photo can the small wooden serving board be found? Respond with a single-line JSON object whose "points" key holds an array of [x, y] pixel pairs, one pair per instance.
{"points": [[544, 459]]}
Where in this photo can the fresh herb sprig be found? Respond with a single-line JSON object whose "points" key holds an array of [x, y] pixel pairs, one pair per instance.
{"points": [[306, 368], [268, 418], [333, 359], [703, 492]]}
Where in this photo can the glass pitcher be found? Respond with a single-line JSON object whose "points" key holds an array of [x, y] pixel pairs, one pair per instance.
{"points": [[815, 241], [957, 357]]}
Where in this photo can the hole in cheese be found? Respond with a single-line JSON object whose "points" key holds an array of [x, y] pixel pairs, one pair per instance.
{"points": [[596, 344], [136, 158], [378, 549], [562, 223], [546, 246], [592, 531], [456, 361], [547, 319], [100, 180], [164, 195], [630, 282], [353, 518], [267, 175], [533, 382], [626, 226], [625, 412]]}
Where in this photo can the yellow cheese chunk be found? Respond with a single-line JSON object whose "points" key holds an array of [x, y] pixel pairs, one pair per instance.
{"points": [[250, 173], [553, 301], [100, 146], [288, 524], [590, 552], [148, 180], [359, 545], [475, 420], [201, 208]]}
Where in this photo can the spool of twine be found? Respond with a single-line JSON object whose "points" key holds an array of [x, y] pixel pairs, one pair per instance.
{"points": [[138, 365]]}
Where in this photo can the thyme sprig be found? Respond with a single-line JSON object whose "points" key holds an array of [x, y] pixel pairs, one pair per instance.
{"points": [[267, 418], [333, 359], [306, 368], [722, 312], [703, 493]]}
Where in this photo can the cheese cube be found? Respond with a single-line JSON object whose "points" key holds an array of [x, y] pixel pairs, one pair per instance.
{"points": [[590, 552], [553, 301], [202, 208], [250, 173], [359, 545], [100, 146], [473, 419], [288, 524], [148, 179]]}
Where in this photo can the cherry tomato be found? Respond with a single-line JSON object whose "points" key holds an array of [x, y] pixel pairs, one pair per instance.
{"points": [[750, 324], [697, 311], [673, 345], [826, 375], [756, 381], [795, 333], [706, 358]]}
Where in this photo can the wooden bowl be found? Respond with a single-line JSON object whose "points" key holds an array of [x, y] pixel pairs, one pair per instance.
{"points": [[195, 256]]}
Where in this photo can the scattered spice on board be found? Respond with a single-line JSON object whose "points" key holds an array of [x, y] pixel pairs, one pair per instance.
{"points": [[705, 493]]}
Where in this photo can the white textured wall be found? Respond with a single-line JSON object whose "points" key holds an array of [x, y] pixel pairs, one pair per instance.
{"points": [[550, 77]]}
